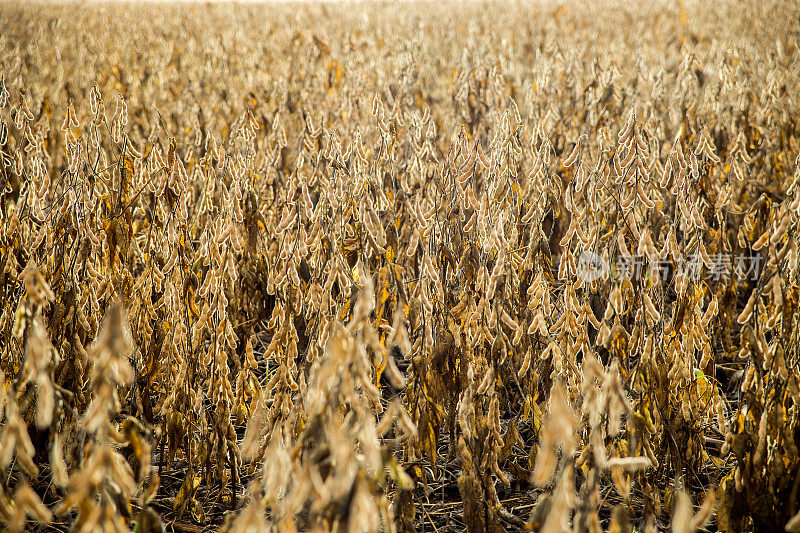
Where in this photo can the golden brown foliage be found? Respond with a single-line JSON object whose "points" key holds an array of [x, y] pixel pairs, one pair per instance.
{"points": [[312, 268]]}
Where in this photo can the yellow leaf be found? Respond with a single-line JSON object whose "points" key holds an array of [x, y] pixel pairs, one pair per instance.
{"points": [[187, 489]]}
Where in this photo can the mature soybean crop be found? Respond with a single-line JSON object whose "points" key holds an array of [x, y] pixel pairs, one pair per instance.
{"points": [[397, 267]]}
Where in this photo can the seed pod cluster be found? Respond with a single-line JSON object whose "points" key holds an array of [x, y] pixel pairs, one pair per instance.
{"points": [[386, 269]]}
